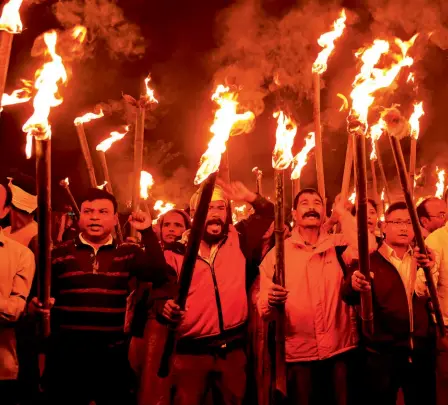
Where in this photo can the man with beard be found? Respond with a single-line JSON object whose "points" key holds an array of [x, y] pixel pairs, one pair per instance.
{"points": [[401, 352], [210, 350], [319, 327], [87, 359]]}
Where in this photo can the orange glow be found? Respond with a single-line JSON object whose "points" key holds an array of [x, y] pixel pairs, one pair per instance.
{"points": [[114, 137], [149, 91], [301, 158], [344, 105], [88, 117], [411, 78], [352, 197], [284, 135], [226, 119], [239, 212], [18, 96], [10, 19], [47, 80], [440, 186], [146, 182], [66, 182], [414, 121], [79, 33], [163, 207], [375, 134], [326, 41], [418, 176], [371, 79], [102, 186]]}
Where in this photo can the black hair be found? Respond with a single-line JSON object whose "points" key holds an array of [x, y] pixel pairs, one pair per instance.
{"points": [[8, 201], [369, 200], [182, 213], [93, 194], [306, 191], [399, 205]]}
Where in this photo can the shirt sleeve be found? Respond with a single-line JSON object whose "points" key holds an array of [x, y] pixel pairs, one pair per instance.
{"points": [[13, 306], [433, 242], [266, 275]]}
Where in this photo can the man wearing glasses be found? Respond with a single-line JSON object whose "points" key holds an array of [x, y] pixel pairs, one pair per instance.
{"points": [[438, 241], [401, 352], [432, 215]]}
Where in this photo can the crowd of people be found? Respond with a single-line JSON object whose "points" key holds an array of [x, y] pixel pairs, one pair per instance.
{"points": [[114, 304]]}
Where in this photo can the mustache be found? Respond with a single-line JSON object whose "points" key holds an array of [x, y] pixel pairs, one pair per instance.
{"points": [[215, 221], [311, 214]]}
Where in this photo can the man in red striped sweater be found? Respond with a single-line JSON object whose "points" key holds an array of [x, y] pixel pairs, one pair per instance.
{"points": [[87, 359]]}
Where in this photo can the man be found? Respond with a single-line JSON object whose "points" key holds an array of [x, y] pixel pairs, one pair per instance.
{"points": [[438, 241], [319, 330], [432, 215], [400, 353], [173, 224], [87, 360], [16, 275], [210, 350]]}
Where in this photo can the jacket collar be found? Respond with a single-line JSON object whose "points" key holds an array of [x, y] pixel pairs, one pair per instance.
{"points": [[387, 252], [324, 241], [82, 242]]}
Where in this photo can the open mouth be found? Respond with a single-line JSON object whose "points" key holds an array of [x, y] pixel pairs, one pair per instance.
{"points": [[311, 215], [95, 227]]}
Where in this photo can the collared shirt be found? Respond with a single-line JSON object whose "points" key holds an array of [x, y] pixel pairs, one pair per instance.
{"points": [[109, 241], [16, 275], [23, 235]]}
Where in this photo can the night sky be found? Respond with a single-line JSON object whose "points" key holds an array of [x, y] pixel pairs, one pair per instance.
{"points": [[180, 38]]}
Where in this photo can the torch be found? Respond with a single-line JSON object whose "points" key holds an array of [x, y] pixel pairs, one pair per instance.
{"points": [[225, 118], [326, 41], [38, 127], [17, 96], [414, 122], [258, 179], [440, 186], [395, 124], [10, 24], [139, 139], [146, 182], [375, 133], [79, 125], [66, 184], [300, 160]]}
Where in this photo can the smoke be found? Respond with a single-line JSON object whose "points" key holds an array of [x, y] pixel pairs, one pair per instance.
{"points": [[107, 26]]}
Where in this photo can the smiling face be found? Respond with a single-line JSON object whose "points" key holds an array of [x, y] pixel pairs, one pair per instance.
{"points": [[173, 227], [309, 212], [97, 219], [398, 228]]}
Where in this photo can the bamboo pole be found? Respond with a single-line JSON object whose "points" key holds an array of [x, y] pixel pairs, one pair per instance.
{"points": [[5, 53], [318, 132], [139, 141], [279, 278], [258, 180], [374, 181], [102, 156], [412, 164], [383, 173], [188, 265], [363, 230], [347, 168], [420, 242], [64, 184], [224, 168], [86, 153], [43, 185]]}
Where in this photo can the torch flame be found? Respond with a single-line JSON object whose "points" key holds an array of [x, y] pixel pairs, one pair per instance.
{"points": [[414, 121], [286, 131], [101, 186], [375, 134], [326, 41], [10, 19], [18, 96], [146, 182], [88, 117], [226, 117], [149, 91], [301, 158], [239, 213], [46, 97], [352, 197], [65, 182], [371, 79], [440, 186], [411, 78], [114, 136], [163, 207], [383, 194], [79, 33]]}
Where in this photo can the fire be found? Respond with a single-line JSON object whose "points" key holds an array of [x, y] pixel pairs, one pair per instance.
{"points": [[301, 158], [163, 207], [65, 182], [411, 78], [114, 136], [226, 118], [101, 186], [383, 194], [414, 121], [149, 91], [326, 41], [88, 117], [18, 96], [344, 105], [79, 33], [10, 19], [146, 182], [375, 134], [285, 134], [371, 79], [47, 80], [418, 176], [352, 197], [239, 213], [440, 186]]}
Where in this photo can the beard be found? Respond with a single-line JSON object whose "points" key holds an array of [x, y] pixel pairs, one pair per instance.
{"points": [[215, 237]]}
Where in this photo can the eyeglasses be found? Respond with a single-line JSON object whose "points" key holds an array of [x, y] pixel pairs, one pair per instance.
{"points": [[442, 215], [400, 223]]}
